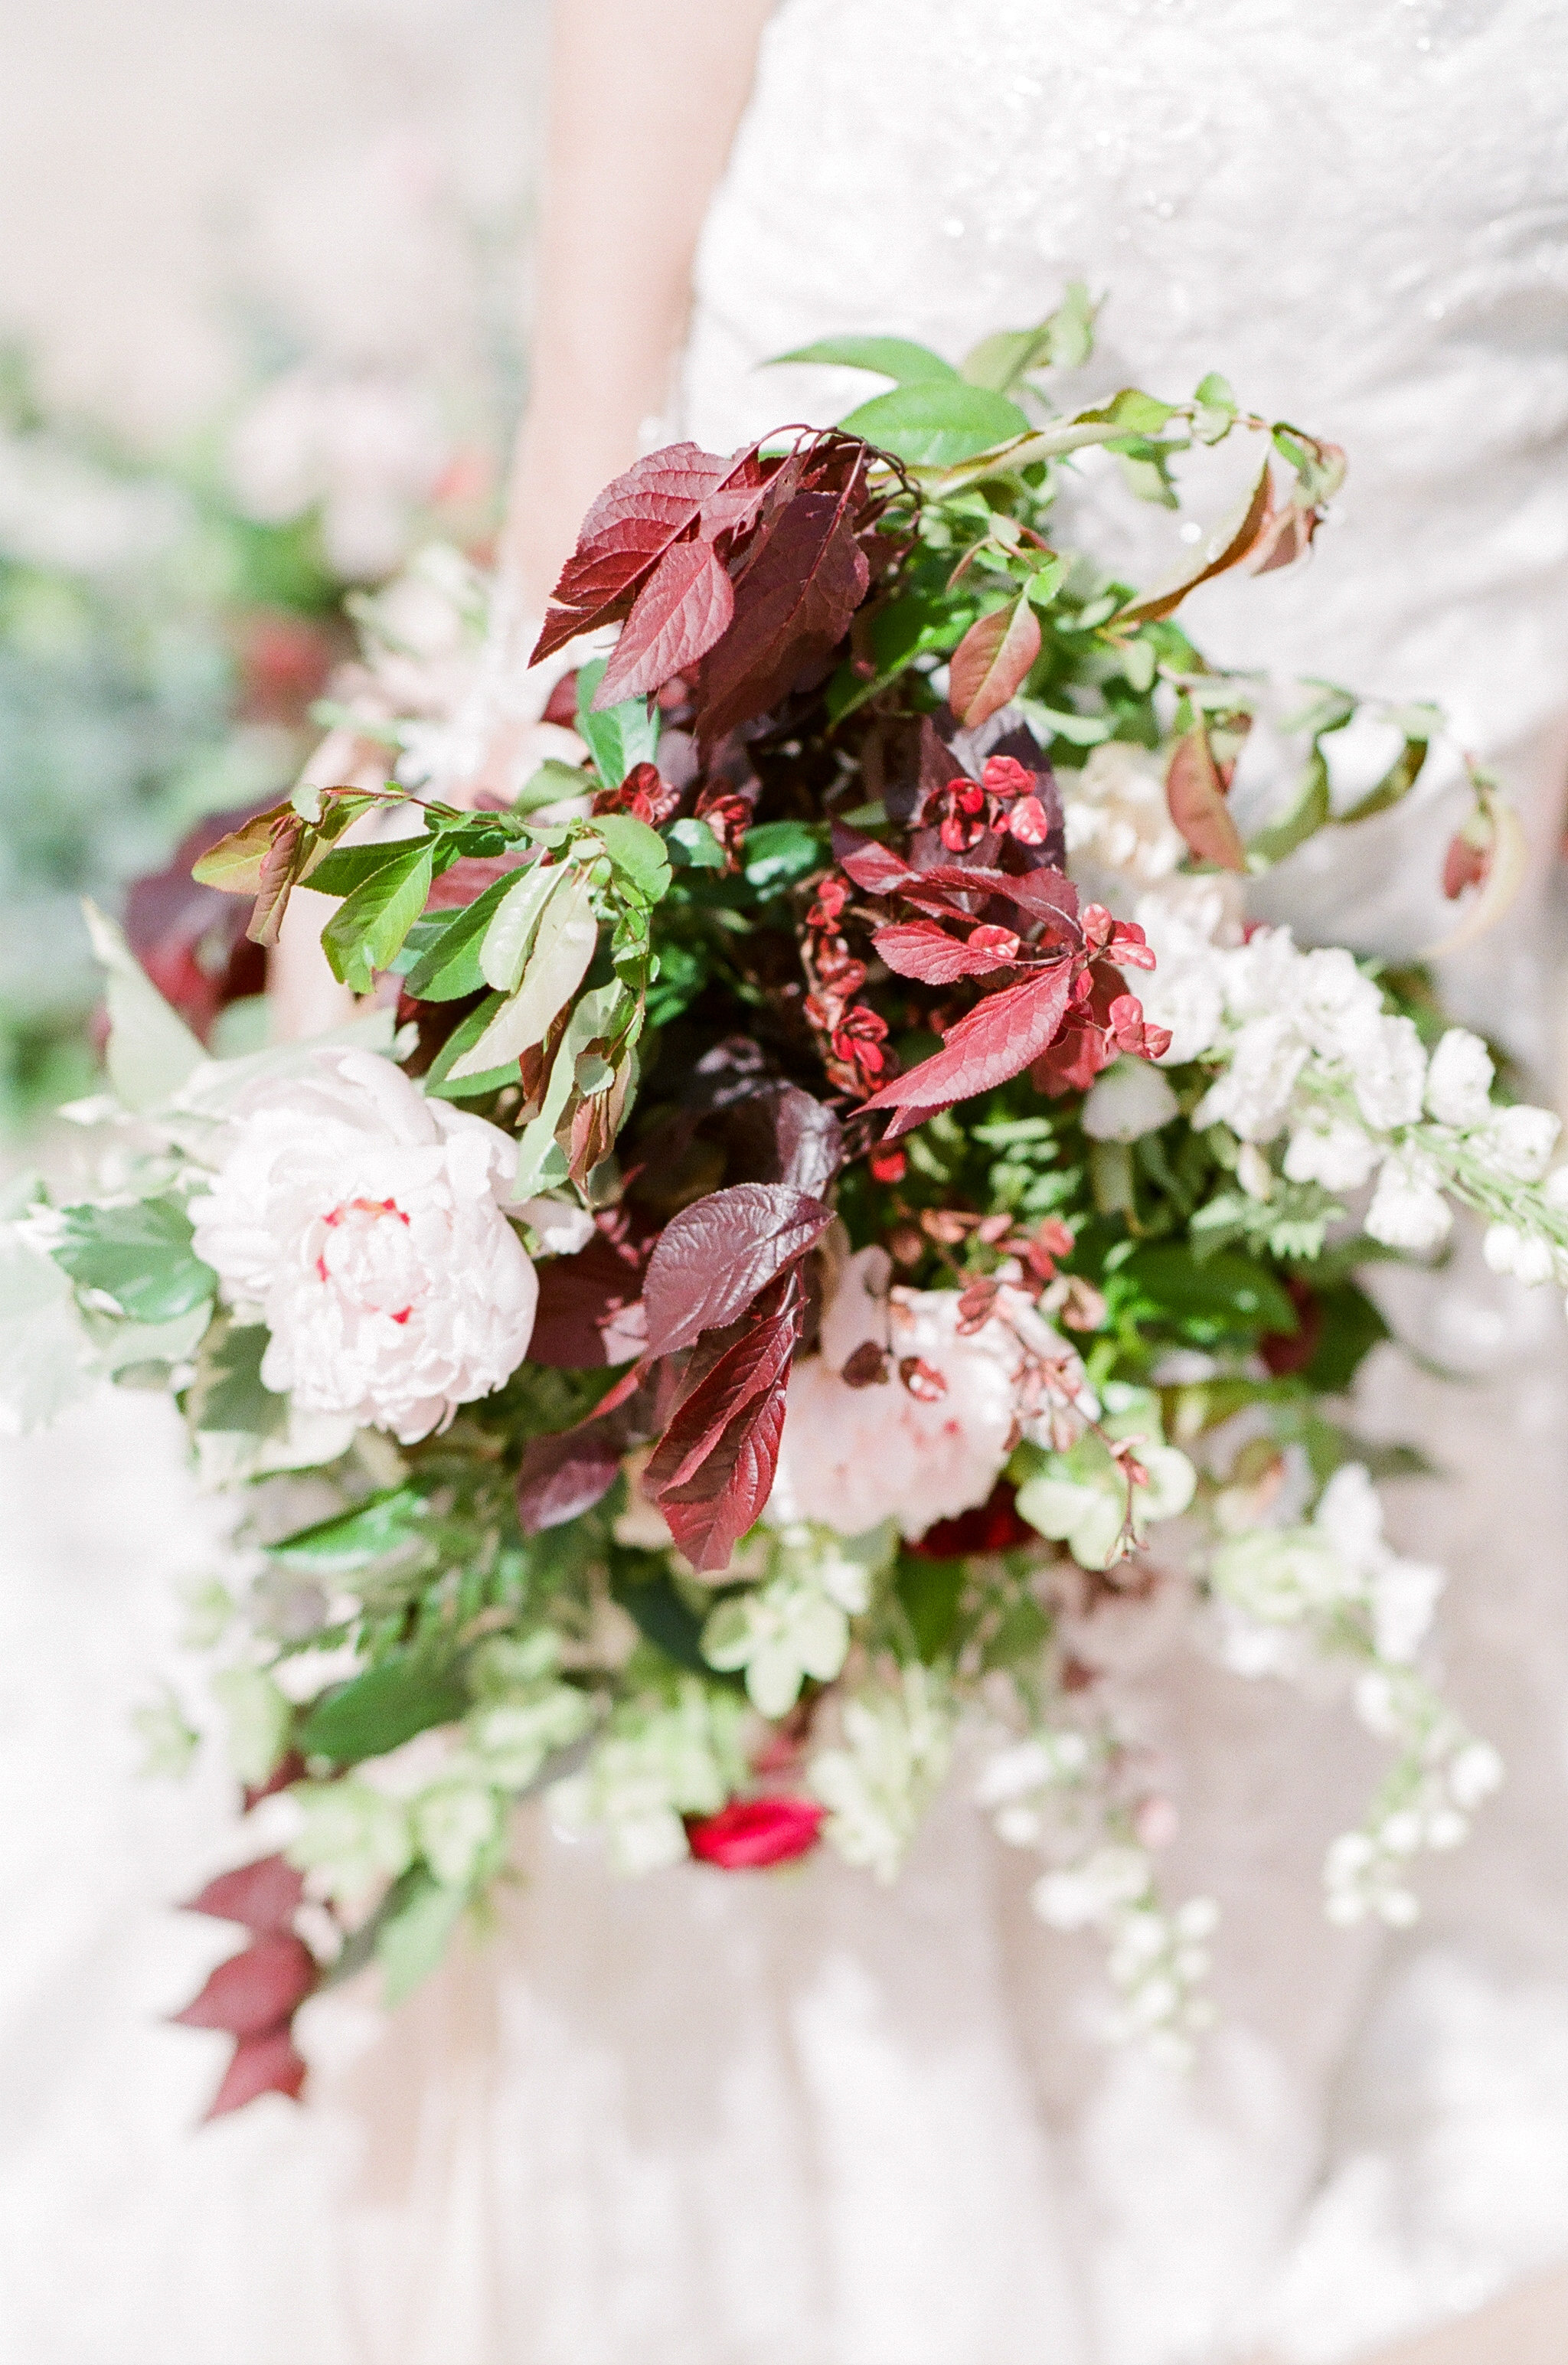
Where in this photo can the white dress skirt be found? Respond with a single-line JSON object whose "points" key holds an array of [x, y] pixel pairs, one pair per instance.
{"points": [[708, 2119]]}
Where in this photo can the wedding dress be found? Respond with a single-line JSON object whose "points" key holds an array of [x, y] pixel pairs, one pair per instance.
{"points": [[734, 2121]]}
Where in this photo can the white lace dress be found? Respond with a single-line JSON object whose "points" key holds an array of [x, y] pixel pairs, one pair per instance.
{"points": [[710, 2120]]}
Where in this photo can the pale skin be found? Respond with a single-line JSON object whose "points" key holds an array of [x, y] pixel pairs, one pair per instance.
{"points": [[645, 99]]}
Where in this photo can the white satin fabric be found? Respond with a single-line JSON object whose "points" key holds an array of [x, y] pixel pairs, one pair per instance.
{"points": [[723, 2120]]}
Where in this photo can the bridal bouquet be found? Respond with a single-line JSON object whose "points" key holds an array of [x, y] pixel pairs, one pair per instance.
{"points": [[825, 1194]]}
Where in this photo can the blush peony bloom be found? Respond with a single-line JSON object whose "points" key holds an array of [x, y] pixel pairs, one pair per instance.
{"points": [[363, 1220], [927, 1441], [750, 1834]]}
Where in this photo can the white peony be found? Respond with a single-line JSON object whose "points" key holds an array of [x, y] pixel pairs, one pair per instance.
{"points": [[852, 1457], [1116, 811], [363, 1220]]}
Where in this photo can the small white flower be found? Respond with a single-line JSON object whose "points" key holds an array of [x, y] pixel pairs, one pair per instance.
{"points": [[1253, 1093], [1458, 1081], [364, 1220], [1116, 811], [1408, 1211], [1388, 1070], [1519, 1141], [1130, 1099], [1474, 1774], [1524, 1256], [897, 1745], [455, 1825], [1332, 1002], [352, 1837], [1332, 1151]]}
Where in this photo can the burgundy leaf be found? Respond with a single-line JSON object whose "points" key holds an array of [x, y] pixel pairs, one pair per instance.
{"points": [[624, 535], [1465, 865], [681, 609], [923, 949], [264, 1896], [267, 2063], [793, 604], [713, 1469], [875, 867], [256, 1989], [588, 1306], [713, 1258], [778, 1135], [992, 660], [1195, 794], [566, 1473], [998, 1040]]}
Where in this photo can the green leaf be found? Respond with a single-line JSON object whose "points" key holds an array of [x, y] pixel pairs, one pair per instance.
{"points": [[1308, 812], [152, 1051], [937, 423], [637, 852], [1000, 360], [441, 1084], [902, 631], [552, 781], [1045, 583], [1224, 1295], [1352, 1328], [366, 933], [412, 1931], [227, 1394], [896, 357], [41, 1338], [694, 846], [515, 926], [1329, 711], [1396, 784], [382, 1709], [347, 867], [141, 1256], [1078, 730], [450, 970], [373, 1529], [623, 735], [931, 1591], [778, 852]]}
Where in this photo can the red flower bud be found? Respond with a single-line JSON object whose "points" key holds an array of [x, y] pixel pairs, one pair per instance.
{"points": [[888, 1165], [1028, 822], [752, 1833], [1005, 777]]}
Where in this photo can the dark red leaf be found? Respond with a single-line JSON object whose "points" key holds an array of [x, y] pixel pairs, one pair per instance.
{"points": [[588, 1306], [750, 1834], [998, 1040], [712, 1471], [993, 1527], [681, 609], [713, 1258], [626, 533], [992, 660], [1195, 795], [793, 604], [566, 1473], [267, 2063], [263, 1896], [256, 1989], [778, 1135], [923, 949], [875, 867]]}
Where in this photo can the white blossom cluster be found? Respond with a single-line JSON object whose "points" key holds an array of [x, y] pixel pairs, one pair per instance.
{"points": [[443, 1799], [1335, 1586], [1308, 1055], [897, 1744], [1055, 1790], [657, 1761], [796, 1623]]}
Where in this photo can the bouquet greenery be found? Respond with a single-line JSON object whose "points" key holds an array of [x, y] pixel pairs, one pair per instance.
{"points": [[825, 1193]]}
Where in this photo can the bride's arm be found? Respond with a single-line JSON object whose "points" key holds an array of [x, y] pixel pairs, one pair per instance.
{"points": [[644, 96]]}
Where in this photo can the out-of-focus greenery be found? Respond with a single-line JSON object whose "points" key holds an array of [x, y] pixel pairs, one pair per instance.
{"points": [[159, 651]]}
